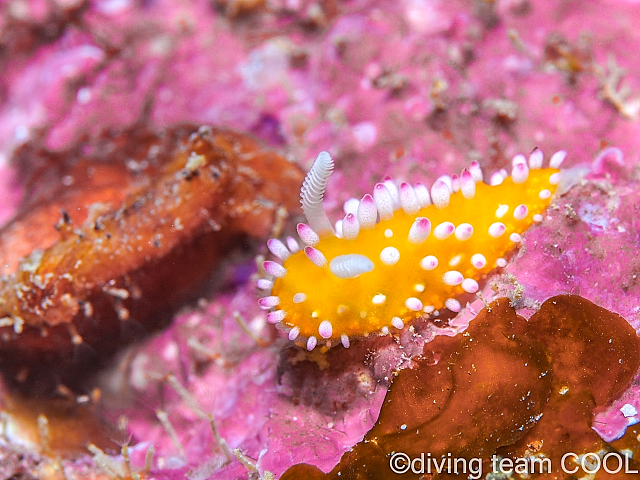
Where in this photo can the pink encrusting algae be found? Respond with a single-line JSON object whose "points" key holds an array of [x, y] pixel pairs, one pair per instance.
{"points": [[411, 90]]}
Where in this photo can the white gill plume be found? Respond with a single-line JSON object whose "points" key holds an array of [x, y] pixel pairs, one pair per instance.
{"points": [[312, 193]]}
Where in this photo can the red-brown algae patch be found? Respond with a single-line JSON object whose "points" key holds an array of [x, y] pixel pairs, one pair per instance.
{"points": [[126, 268], [501, 387]]}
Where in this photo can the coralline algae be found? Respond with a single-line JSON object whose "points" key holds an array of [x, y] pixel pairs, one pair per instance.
{"points": [[413, 89]]}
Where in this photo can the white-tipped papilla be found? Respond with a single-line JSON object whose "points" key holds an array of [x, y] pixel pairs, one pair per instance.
{"points": [[557, 159], [444, 230], [467, 184], [455, 183], [276, 317], [325, 329], [535, 159], [469, 285], [384, 201], [452, 278], [345, 341], [409, 199], [308, 234], [351, 206], [275, 269], [414, 304], [464, 231], [496, 178], [422, 194], [520, 173], [518, 159], [419, 231], [393, 191], [293, 333], [429, 263], [476, 171], [367, 213], [350, 227], [544, 194], [440, 194], [293, 245], [278, 249], [316, 256], [478, 260], [351, 265], [338, 228], [264, 284], [311, 342], [497, 229], [453, 305], [269, 302], [397, 322], [312, 193], [520, 212]]}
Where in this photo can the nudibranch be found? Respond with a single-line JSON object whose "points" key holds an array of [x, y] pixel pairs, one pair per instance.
{"points": [[401, 253]]}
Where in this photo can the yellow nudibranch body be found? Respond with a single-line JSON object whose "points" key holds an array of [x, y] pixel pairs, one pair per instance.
{"points": [[402, 253]]}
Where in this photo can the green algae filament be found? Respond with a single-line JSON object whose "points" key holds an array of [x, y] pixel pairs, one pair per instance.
{"points": [[506, 388]]}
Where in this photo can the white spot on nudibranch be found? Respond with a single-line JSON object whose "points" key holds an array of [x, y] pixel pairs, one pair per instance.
{"points": [[429, 262], [325, 329], [464, 231], [501, 211], [397, 322], [378, 299], [455, 261], [544, 194], [276, 317], [453, 305], [293, 333], [412, 303], [299, 298], [520, 212], [389, 255], [452, 278], [469, 285], [496, 230], [444, 230], [478, 260]]}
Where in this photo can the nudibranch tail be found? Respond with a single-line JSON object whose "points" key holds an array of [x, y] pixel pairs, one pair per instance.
{"points": [[400, 253]]}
